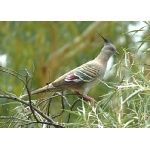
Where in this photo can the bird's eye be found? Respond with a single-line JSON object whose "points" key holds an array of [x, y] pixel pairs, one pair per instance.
{"points": [[112, 49]]}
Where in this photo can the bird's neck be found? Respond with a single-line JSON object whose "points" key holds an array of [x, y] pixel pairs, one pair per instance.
{"points": [[103, 57]]}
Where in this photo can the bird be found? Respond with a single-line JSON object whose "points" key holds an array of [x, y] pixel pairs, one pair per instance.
{"points": [[81, 79]]}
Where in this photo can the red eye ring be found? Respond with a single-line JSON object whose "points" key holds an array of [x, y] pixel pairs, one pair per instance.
{"points": [[111, 49]]}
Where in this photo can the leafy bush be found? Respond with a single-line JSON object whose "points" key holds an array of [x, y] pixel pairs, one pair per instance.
{"points": [[122, 98]]}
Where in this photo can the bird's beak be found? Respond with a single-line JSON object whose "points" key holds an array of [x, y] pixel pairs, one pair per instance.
{"points": [[117, 52]]}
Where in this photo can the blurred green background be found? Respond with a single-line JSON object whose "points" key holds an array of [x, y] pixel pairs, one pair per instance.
{"points": [[53, 48]]}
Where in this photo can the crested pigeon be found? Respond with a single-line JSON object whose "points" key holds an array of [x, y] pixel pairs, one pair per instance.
{"points": [[83, 78]]}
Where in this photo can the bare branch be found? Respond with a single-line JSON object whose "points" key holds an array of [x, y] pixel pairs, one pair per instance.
{"points": [[48, 118]]}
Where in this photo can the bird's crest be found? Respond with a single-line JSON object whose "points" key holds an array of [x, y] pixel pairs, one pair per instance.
{"points": [[105, 40]]}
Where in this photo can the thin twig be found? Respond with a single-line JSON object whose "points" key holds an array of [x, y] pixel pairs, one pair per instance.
{"points": [[49, 119], [13, 73], [72, 108], [29, 95], [63, 107]]}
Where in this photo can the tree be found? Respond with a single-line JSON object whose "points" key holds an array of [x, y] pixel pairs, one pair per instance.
{"points": [[35, 51]]}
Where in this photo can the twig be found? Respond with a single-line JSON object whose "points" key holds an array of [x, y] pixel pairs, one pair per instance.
{"points": [[72, 108], [29, 95], [49, 119], [63, 107], [13, 73]]}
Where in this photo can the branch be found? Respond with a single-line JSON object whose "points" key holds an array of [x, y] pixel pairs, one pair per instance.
{"points": [[29, 95], [49, 119]]}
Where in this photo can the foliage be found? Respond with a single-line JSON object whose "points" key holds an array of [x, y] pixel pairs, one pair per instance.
{"points": [[41, 47]]}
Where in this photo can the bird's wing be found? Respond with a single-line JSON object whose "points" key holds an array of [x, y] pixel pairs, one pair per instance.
{"points": [[80, 75]]}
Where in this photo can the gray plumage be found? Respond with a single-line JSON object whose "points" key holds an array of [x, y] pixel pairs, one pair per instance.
{"points": [[84, 77]]}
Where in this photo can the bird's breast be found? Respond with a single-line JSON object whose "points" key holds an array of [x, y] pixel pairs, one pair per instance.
{"points": [[90, 85]]}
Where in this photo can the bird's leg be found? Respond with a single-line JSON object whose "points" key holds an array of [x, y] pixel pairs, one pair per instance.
{"points": [[85, 97], [90, 99]]}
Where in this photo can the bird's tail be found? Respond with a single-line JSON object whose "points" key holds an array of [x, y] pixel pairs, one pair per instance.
{"points": [[46, 88]]}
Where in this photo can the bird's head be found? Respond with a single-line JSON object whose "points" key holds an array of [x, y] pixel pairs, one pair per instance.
{"points": [[109, 48]]}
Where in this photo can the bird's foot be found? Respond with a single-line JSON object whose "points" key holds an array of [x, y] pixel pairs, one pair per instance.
{"points": [[89, 99], [86, 98]]}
